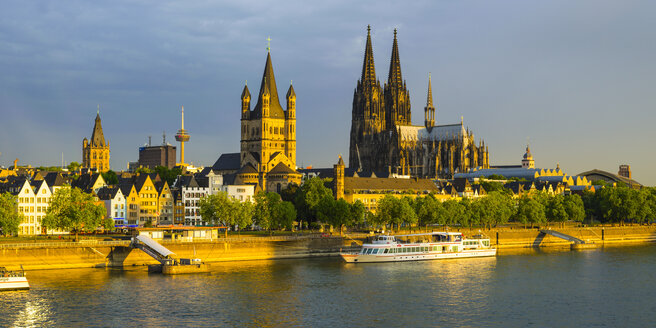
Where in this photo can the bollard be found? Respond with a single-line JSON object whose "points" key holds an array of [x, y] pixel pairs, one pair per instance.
{"points": [[602, 234]]}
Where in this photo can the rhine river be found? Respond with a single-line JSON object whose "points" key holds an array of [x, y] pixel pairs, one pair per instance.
{"points": [[607, 287]]}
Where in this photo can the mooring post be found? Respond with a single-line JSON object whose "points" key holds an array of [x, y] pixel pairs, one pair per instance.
{"points": [[602, 234]]}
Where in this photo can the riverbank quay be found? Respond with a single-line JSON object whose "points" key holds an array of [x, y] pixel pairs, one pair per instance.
{"points": [[97, 253]]}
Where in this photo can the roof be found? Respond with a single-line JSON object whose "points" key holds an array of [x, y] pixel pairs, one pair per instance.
{"points": [[228, 161], [353, 183], [247, 169], [438, 132], [610, 176], [107, 193], [281, 168], [54, 179], [512, 172], [268, 83], [97, 136], [185, 181]]}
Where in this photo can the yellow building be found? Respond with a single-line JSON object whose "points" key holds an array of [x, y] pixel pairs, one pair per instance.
{"points": [[164, 203], [370, 190], [95, 153], [268, 137], [148, 199]]}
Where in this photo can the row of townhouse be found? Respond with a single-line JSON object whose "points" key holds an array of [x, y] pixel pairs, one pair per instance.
{"points": [[136, 200]]}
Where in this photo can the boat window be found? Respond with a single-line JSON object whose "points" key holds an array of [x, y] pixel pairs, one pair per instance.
{"points": [[386, 251], [369, 251], [364, 250]]}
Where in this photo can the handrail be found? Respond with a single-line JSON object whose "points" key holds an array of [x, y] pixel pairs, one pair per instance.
{"points": [[89, 243]]}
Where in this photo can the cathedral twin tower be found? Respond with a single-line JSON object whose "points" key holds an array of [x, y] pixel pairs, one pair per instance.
{"points": [[383, 138]]}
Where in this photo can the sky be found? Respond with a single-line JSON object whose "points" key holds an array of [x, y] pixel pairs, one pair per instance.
{"points": [[575, 79]]}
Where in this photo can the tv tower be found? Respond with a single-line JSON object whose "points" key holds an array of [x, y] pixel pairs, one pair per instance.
{"points": [[182, 137]]}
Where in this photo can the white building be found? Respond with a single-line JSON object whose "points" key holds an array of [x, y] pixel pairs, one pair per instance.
{"points": [[240, 192], [191, 193], [115, 204]]}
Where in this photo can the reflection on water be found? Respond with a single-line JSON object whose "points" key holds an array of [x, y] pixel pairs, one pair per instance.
{"points": [[603, 287]]}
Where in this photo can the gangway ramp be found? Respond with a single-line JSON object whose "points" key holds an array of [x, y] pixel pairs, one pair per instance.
{"points": [[562, 235], [152, 248]]}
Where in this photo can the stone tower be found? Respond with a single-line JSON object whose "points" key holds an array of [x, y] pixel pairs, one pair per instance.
{"points": [[95, 153], [368, 115], [338, 185], [397, 97], [527, 160], [268, 136]]}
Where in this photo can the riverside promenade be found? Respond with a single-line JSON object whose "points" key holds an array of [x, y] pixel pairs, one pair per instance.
{"points": [[98, 253]]}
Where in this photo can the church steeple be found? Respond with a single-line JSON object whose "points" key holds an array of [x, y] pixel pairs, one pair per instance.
{"points": [[429, 110], [97, 136], [368, 68], [397, 97], [269, 84], [395, 78]]}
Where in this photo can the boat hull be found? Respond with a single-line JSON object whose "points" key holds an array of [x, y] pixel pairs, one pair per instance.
{"points": [[13, 283], [185, 269], [368, 258]]}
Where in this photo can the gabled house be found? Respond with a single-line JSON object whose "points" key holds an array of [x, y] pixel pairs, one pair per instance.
{"points": [[114, 202]]}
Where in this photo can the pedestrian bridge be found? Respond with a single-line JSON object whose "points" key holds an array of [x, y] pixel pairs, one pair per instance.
{"points": [[562, 235], [152, 248]]}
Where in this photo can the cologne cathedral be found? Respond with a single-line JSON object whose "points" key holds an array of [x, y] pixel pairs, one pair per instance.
{"points": [[383, 138]]}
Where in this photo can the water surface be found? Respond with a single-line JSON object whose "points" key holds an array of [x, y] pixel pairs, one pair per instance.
{"points": [[609, 287]]}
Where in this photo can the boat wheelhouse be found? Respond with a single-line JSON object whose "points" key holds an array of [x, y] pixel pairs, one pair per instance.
{"points": [[423, 246]]}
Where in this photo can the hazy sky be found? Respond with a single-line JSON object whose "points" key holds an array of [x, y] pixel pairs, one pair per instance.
{"points": [[576, 77]]}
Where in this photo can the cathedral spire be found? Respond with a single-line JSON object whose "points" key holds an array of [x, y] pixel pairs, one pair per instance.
{"points": [[368, 69], [395, 78], [429, 101], [429, 110]]}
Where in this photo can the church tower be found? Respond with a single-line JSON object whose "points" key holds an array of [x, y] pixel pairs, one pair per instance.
{"points": [[268, 136], [527, 160], [429, 110], [338, 185], [95, 153], [368, 115], [397, 97]]}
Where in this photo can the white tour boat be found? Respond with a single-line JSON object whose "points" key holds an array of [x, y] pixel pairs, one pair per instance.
{"points": [[423, 246], [13, 280]]}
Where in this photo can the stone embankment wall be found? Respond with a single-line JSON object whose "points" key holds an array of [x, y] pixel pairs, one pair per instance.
{"points": [[509, 238], [117, 253]]}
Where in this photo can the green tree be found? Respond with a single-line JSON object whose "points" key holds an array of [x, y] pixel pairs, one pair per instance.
{"points": [[358, 213], [10, 219], [143, 170], [289, 194], [71, 209], [267, 212], [574, 207], [530, 211], [308, 196], [243, 214], [217, 209], [283, 213], [556, 209], [73, 167], [110, 177], [168, 175]]}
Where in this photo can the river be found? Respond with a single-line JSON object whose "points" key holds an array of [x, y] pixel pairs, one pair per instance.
{"points": [[607, 287]]}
